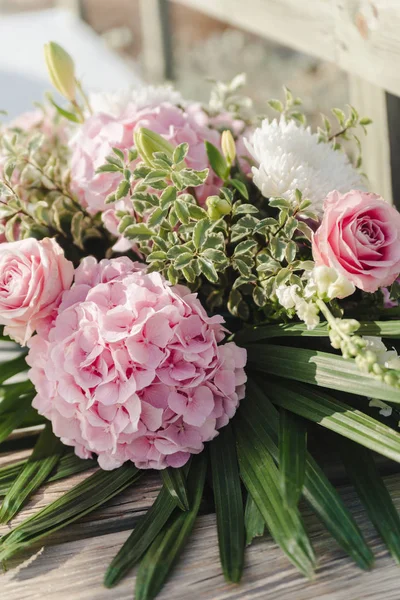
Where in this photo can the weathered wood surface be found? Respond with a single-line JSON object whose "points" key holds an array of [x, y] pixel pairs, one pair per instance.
{"points": [[72, 565], [360, 36]]}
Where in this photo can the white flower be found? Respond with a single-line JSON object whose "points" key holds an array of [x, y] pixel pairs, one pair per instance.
{"points": [[289, 297], [307, 312], [386, 358], [385, 409], [328, 283], [115, 103], [289, 156]]}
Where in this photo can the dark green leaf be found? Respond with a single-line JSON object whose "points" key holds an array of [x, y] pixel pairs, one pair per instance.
{"points": [[292, 456], [163, 552], [241, 188], [228, 504], [318, 491], [146, 530], [12, 367], [253, 521], [217, 161], [315, 405], [12, 420], [261, 478], [361, 467], [71, 464], [77, 502], [174, 481], [319, 368], [208, 269], [200, 232], [45, 456]]}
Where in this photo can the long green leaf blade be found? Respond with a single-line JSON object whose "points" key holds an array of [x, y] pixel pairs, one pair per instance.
{"points": [[70, 464], [292, 456], [315, 405], [45, 456], [261, 478], [11, 421], [174, 481], [12, 367], [388, 329], [373, 493], [228, 504], [163, 552], [253, 521], [319, 368], [76, 503], [146, 530], [318, 490]]}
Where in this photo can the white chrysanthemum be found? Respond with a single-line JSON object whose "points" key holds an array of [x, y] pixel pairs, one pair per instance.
{"points": [[289, 157], [115, 103]]}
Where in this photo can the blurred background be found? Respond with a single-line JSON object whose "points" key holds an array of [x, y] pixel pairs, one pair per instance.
{"points": [[116, 44]]}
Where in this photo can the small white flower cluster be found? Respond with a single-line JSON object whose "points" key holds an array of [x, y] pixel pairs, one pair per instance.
{"points": [[387, 358], [289, 157], [323, 283], [114, 104]]}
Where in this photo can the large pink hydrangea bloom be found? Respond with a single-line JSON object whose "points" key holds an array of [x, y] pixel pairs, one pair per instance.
{"points": [[132, 369]]}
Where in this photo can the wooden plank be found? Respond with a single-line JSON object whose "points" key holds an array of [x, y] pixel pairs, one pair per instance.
{"points": [[75, 569], [156, 40], [360, 36], [370, 101]]}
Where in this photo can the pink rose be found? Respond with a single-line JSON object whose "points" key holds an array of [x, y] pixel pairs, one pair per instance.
{"points": [[360, 237], [33, 274]]}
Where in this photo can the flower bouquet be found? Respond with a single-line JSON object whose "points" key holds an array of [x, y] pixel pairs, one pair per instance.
{"points": [[196, 290]]}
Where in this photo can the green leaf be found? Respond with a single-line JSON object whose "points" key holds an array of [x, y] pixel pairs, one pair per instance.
{"points": [[12, 367], [388, 329], [318, 491], [245, 209], [138, 231], [208, 269], [168, 197], [261, 478], [122, 189], [253, 521], [174, 481], [64, 113], [71, 464], [292, 456], [182, 211], [217, 161], [12, 420], [228, 504], [200, 232], [276, 105], [183, 260], [180, 153], [361, 468], [11, 393], [319, 368], [196, 212], [164, 551], [45, 456], [240, 187], [157, 216], [146, 530], [315, 405], [244, 247], [77, 502]]}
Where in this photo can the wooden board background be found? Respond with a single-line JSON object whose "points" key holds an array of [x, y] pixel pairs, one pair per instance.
{"points": [[73, 562]]}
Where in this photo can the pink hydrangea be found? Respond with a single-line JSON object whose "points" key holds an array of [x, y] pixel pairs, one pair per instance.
{"points": [[132, 368]]}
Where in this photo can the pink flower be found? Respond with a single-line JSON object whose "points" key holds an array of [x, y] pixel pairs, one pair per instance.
{"points": [[33, 274], [360, 237], [132, 368]]}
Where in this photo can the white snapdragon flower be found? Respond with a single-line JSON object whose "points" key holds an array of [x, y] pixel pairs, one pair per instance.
{"points": [[387, 358], [289, 157], [289, 297], [327, 283]]}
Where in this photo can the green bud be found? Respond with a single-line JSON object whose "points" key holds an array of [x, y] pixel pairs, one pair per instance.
{"points": [[147, 142], [391, 379], [228, 146], [217, 207], [61, 70]]}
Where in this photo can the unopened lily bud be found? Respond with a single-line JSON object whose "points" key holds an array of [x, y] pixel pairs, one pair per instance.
{"points": [[61, 70], [228, 146], [147, 142], [217, 207]]}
